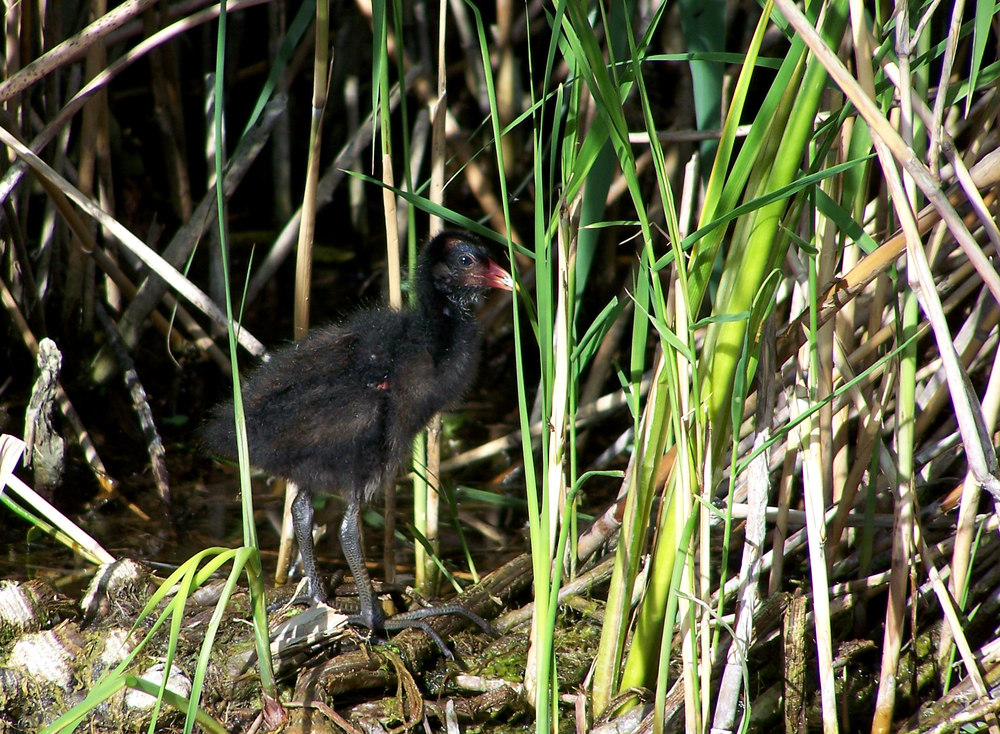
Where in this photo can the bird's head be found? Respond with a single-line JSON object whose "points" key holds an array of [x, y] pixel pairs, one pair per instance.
{"points": [[458, 266]]}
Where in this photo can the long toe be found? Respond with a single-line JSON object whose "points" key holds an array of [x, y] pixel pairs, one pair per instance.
{"points": [[417, 618], [439, 611], [399, 623]]}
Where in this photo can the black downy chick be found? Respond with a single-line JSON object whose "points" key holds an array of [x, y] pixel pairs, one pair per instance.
{"points": [[338, 410]]}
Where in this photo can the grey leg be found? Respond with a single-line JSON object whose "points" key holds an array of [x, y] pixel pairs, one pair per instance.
{"points": [[371, 615], [302, 522]]}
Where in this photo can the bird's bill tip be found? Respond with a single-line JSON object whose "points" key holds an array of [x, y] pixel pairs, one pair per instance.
{"points": [[497, 277]]}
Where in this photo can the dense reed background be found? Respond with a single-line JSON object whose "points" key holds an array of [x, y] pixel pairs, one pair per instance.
{"points": [[748, 381]]}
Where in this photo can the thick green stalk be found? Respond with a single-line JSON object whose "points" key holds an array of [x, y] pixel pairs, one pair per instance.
{"points": [[641, 663], [650, 443], [752, 259]]}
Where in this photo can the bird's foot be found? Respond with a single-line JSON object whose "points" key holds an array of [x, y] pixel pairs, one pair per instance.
{"points": [[308, 592], [439, 611], [379, 624], [418, 618]]}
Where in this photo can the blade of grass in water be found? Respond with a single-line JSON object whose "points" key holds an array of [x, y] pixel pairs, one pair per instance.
{"points": [[273, 712]]}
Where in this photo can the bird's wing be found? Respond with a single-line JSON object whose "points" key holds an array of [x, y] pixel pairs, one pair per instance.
{"points": [[380, 335]]}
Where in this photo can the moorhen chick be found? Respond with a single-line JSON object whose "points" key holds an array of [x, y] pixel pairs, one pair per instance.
{"points": [[338, 410]]}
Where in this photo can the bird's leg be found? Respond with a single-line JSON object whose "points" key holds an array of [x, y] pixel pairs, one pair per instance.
{"points": [[302, 522], [371, 615]]}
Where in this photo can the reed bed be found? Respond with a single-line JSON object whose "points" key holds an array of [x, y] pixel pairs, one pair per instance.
{"points": [[744, 398]]}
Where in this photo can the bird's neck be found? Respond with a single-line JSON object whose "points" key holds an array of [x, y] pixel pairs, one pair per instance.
{"points": [[444, 323]]}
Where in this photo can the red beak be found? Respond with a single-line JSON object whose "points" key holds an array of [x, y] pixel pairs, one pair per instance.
{"points": [[497, 277]]}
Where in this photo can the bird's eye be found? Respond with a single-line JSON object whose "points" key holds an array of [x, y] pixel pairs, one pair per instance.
{"points": [[465, 261]]}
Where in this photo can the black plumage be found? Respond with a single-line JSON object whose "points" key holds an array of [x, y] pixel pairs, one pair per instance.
{"points": [[338, 410]]}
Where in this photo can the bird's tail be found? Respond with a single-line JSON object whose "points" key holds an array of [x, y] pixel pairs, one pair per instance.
{"points": [[217, 435]]}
